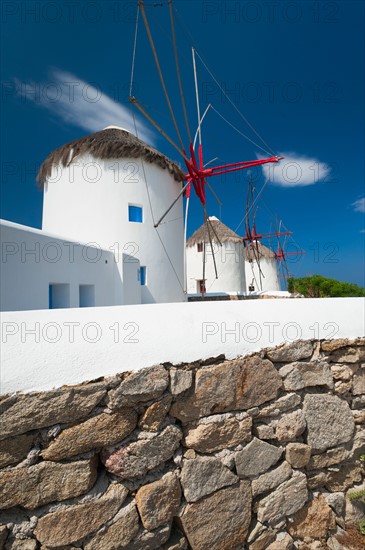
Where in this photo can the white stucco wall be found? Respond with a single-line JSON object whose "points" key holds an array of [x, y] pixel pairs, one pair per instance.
{"points": [[268, 280], [31, 260], [131, 285], [88, 201], [230, 268], [46, 349]]}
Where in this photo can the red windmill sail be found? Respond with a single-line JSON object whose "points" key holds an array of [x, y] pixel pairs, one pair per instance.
{"points": [[198, 174]]}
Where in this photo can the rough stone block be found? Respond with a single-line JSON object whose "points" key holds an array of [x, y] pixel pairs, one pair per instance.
{"points": [[315, 520], [218, 432], [271, 479], [263, 540], [359, 417], [46, 482], [120, 533], [331, 345], [220, 521], [299, 375], [190, 454], [337, 502], [203, 476], [257, 457], [342, 372], [291, 352], [136, 459], [258, 383], [329, 421], [344, 478], [358, 386], [343, 389], [329, 458], [298, 454], [263, 431], [180, 380], [153, 418], [141, 386], [289, 426], [281, 405], [348, 355], [94, 433], [283, 541], [38, 410], [287, 499], [317, 479], [235, 385], [159, 502], [72, 524]]}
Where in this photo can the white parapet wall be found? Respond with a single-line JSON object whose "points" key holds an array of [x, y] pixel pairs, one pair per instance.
{"points": [[46, 349]]}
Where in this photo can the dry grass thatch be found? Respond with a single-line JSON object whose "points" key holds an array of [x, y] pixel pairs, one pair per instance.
{"points": [[252, 252], [256, 250], [224, 234], [111, 143]]}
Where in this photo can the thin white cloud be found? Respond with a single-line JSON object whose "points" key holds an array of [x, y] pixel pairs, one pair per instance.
{"points": [[296, 170], [81, 104], [359, 205]]}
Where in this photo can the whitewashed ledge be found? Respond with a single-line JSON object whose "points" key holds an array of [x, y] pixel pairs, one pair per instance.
{"points": [[47, 349]]}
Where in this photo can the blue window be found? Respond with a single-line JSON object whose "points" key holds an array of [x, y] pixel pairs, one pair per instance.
{"points": [[135, 213], [142, 275]]}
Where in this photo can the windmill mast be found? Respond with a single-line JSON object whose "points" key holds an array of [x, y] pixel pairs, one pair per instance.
{"points": [[252, 238], [197, 96]]}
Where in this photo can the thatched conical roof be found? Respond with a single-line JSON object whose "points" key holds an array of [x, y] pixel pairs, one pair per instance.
{"points": [[223, 232], [252, 252], [110, 143], [255, 251]]}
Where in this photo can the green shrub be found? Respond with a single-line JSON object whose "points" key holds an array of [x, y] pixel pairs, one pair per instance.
{"points": [[317, 286], [357, 496]]}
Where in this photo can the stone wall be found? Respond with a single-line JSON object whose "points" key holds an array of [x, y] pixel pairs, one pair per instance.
{"points": [[260, 452]]}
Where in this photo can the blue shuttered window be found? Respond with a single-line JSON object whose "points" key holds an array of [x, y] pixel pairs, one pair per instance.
{"points": [[135, 213], [142, 275]]}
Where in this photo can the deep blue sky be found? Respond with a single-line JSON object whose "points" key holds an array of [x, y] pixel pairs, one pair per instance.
{"points": [[294, 69]]}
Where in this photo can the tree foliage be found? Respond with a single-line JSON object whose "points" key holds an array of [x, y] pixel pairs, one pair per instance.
{"points": [[317, 286]]}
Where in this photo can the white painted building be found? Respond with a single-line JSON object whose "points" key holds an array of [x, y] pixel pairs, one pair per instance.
{"points": [[261, 268], [40, 271], [227, 250], [103, 195], [241, 270]]}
